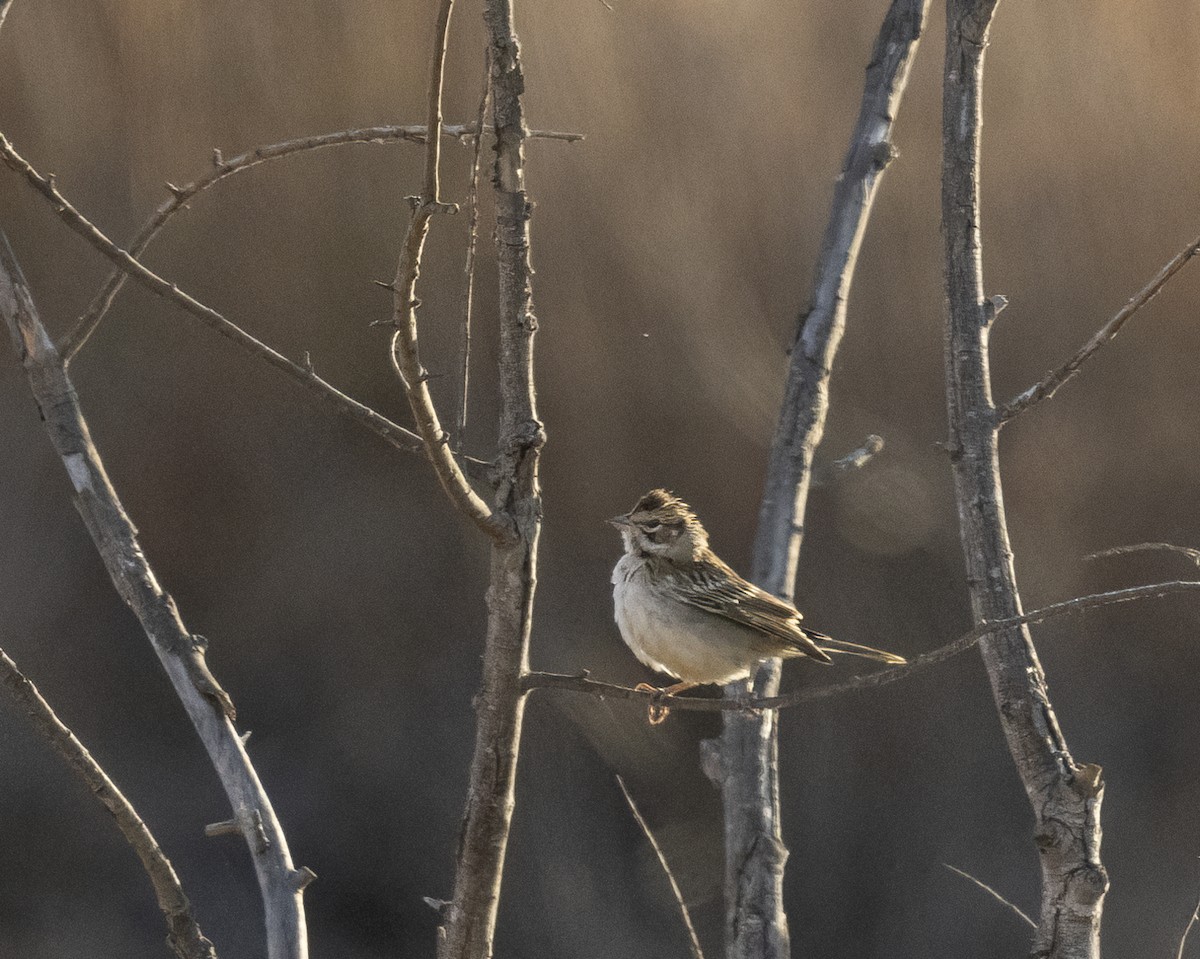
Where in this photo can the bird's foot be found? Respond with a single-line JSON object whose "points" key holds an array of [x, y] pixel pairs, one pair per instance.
{"points": [[657, 712]]}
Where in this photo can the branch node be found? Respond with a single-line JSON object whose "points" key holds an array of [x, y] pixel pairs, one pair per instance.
{"points": [[303, 877], [387, 285], [437, 905], [218, 160]]}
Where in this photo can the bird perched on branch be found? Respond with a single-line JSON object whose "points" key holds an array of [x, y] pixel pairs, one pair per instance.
{"points": [[686, 613]]}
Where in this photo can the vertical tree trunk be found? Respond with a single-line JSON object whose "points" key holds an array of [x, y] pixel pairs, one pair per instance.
{"points": [[471, 917], [1065, 796], [755, 923]]}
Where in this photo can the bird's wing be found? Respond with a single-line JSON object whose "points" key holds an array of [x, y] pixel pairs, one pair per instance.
{"points": [[711, 585]]}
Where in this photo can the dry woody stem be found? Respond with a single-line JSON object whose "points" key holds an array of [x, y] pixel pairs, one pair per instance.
{"points": [[1049, 385], [181, 653], [183, 934], [755, 923], [225, 167], [500, 704], [405, 354], [1065, 795]]}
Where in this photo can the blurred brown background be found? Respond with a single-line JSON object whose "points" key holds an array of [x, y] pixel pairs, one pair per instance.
{"points": [[674, 249]]}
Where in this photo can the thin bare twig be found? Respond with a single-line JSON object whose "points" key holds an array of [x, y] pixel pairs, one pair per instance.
{"points": [[223, 168], [392, 433], [991, 892], [580, 683], [850, 463], [1050, 384], [405, 355], [181, 653], [183, 934], [1187, 930], [693, 939], [755, 854], [468, 297], [1185, 551]]}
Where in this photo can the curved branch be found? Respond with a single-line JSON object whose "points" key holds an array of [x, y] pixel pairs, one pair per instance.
{"points": [[1186, 551], [580, 683], [224, 168], [181, 653], [183, 933], [1053, 380], [381, 426], [406, 357]]}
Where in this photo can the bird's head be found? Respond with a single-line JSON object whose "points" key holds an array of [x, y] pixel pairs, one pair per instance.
{"points": [[662, 525]]}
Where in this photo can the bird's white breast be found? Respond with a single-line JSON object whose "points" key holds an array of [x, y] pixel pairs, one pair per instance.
{"points": [[671, 637]]}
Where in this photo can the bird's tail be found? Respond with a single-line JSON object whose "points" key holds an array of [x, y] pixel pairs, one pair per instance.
{"points": [[828, 644]]}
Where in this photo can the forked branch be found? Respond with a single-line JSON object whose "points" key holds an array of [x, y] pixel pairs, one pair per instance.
{"points": [[183, 934], [181, 653], [225, 167], [406, 356]]}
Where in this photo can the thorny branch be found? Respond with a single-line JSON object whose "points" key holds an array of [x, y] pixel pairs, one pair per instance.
{"points": [[1050, 384], [405, 355], [224, 168], [580, 683], [183, 934], [181, 653], [394, 434]]}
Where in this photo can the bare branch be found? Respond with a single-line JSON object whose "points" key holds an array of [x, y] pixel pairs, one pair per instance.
{"points": [[755, 923], [581, 683], [850, 463], [1187, 930], [1065, 796], [470, 920], [394, 434], [693, 940], [183, 934], [222, 168], [1050, 384], [468, 296], [1185, 551], [991, 892], [181, 653], [406, 357]]}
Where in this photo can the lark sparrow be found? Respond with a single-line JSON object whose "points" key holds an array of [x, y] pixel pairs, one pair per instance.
{"points": [[684, 612]]}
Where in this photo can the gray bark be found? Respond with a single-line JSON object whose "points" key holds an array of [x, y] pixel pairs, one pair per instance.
{"points": [[1065, 795], [500, 705], [755, 855], [182, 654]]}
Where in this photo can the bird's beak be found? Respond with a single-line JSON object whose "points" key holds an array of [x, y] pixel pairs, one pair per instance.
{"points": [[620, 521]]}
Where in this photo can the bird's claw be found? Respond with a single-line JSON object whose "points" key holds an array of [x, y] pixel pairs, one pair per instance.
{"points": [[657, 712]]}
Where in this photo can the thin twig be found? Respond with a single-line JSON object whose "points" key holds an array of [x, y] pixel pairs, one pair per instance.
{"points": [[223, 168], [991, 892], [850, 463], [464, 357], [1187, 929], [693, 939], [392, 433], [580, 683], [181, 653], [4, 5], [1050, 384], [405, 354], [183, 934], [1186, 551]]}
